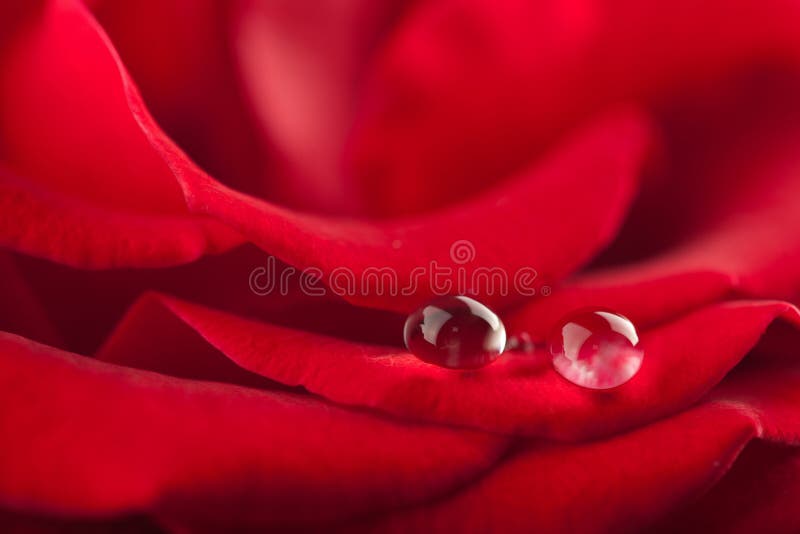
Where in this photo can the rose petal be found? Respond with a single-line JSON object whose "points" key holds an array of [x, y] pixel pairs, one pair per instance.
{"points": [[591, 176], [83, 437], [737, 231], [83, 234], [84, 305], [436, 89], [179, 55], [101, 196], [18, 523], [623, 484], [21, 311], [619, 485], [644, 474], [759, 494], [633, 480], [683, 360], [600, 163], [58, 75], [301, 65]]}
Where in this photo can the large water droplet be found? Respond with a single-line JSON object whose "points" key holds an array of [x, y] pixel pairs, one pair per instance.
{"points": [[455, 332], [596, 348]]}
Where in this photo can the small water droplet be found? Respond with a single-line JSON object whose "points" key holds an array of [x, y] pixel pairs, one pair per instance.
{"points": [[596, 348], [521, 342], [456, 332]]}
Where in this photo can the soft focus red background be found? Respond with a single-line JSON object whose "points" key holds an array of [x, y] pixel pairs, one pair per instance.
{"points": [[642, 156]]}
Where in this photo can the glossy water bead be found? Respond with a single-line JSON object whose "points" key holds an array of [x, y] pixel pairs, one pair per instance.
{"points": [[596, 348], [455, 332]]}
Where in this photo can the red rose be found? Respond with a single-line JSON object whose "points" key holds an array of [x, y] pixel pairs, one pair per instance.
{"points": [[157, 157]]}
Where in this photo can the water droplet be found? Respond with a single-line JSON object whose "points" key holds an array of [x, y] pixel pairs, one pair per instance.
{"points": [[455, 332], [596, 348], [521, 342]]}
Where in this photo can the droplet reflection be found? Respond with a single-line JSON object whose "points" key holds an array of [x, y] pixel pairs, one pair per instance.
{"points": [[596, 348]]}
